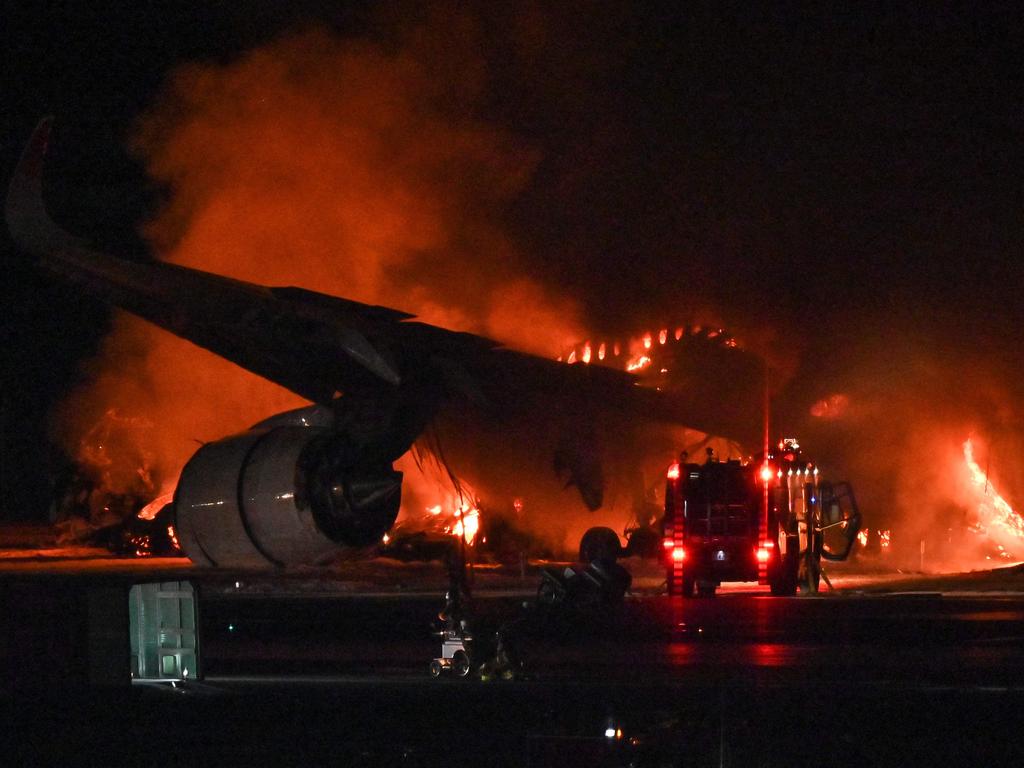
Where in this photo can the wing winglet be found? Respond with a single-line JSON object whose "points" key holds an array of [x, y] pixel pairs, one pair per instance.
{"points": [[27, 219]]}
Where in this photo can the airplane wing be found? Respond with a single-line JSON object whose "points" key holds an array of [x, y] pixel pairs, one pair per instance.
{"points": [[321, 346]]}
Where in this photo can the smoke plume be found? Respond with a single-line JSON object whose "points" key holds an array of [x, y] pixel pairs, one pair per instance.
{"points": [[898, 428], [343, 166]]}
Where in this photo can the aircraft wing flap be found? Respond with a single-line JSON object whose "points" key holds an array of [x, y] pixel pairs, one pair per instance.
{"points": [[337, 306]]}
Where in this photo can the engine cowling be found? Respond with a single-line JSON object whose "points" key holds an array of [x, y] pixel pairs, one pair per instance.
{"points": [[285, 495]]}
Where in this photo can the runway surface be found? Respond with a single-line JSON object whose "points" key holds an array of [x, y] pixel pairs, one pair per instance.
{"points": [[876, 674]]}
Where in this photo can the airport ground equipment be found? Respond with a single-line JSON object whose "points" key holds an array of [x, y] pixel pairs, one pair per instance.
{"points": [[602, 581], [455, 653]]}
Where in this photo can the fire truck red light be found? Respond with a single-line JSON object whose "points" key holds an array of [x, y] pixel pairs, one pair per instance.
{"points": [[667, 543], [766, 473], [762, 555], [673, 472], [678, 554]]}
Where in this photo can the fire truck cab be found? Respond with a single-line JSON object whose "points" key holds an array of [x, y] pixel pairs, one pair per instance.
{"points": [[769, 520]]}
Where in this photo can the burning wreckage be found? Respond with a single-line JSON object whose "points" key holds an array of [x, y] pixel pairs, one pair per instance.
{"points": [[299, 487]]}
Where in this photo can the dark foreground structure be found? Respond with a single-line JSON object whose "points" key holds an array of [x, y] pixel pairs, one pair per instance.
{"points": [[741, 679]]}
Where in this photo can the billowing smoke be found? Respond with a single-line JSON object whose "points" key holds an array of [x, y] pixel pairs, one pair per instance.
{"points": [[343, 166], [364, 169], [898, 429]]}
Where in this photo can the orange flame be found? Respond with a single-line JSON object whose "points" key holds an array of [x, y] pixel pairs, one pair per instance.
{"points": [[468, 520], [639, 363], [996, 518], [172, 534], [149, 512]]}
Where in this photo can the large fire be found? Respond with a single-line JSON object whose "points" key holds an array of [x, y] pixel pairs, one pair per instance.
{"points": [[460, 519], [995, 518], [387, 200], [636, 353], [467, 523]]}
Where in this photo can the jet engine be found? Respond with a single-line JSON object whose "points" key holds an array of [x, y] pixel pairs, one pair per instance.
{"points": [[282, 495]]}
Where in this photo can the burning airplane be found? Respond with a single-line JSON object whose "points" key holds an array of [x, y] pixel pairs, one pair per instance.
{"points": [[298, 487]]}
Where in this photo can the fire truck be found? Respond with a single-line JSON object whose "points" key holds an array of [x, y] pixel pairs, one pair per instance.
{"points": [[771, 520]]}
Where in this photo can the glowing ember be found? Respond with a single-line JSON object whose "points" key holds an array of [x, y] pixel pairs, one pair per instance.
{"points": [[862, 538], [143, 545], [586, 352], [601, 351], [663, 336], [996, 518], [679, 333], [884, 538], [647, 341], [434, 510], [173, 536]]}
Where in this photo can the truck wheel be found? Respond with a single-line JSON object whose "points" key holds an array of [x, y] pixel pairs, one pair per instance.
{"points": [[599, 543], [786, 577], [460, 664], [645, 543]]}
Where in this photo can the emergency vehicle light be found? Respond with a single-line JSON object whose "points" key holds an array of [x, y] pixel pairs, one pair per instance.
{"points": [[763, 554], [673, 472], [679, 554], [766, 473]]}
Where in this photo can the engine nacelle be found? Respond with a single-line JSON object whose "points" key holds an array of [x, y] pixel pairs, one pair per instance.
{"points": [[285, 495]]}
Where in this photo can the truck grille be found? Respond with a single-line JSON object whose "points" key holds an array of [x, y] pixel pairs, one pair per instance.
{"points": [[720, 520]]}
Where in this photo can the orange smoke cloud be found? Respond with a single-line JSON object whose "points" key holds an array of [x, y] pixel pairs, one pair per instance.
{"points": [[339, 166], [897, 433]]}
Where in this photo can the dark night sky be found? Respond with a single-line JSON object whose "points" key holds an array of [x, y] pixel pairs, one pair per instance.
{"points": [[840, 174]]}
